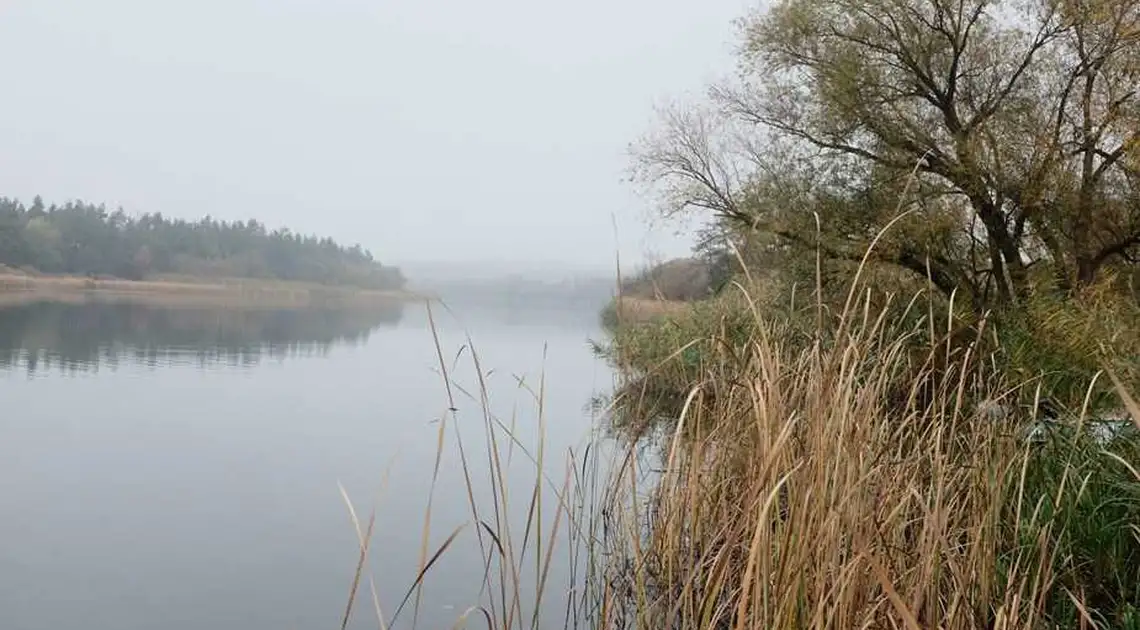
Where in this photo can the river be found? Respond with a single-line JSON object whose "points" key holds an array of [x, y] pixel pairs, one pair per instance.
{"points": [[180, 468]]}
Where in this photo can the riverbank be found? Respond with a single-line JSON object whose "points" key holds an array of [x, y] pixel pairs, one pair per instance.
{"points": [[797, 488], [18, 288]]}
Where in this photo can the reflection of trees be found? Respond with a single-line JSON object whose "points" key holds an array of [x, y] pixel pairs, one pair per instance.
{"points": [[70, 337]]}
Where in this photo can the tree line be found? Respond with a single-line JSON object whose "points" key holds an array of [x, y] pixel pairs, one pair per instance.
{"points": [[87, 239]]}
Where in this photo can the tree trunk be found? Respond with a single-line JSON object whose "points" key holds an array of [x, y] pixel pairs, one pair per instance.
{"points": [[1005, 254]]}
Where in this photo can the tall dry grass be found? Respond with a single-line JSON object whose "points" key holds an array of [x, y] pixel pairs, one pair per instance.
{"points": [[795, 495], [795, 491]]}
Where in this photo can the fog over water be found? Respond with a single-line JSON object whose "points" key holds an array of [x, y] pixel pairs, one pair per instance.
{"points": [[428, 131]]}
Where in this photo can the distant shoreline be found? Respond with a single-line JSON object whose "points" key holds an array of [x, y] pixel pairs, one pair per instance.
{"points": [[187, 291]]}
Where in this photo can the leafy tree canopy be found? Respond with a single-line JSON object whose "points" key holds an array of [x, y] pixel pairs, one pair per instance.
{"points": [[1006, 135]]}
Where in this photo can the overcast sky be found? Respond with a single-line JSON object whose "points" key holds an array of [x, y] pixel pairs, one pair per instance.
{"points": [[445, 130]]}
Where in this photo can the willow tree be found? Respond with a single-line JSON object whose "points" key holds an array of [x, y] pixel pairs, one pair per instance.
{"points": [[1007, 135]]}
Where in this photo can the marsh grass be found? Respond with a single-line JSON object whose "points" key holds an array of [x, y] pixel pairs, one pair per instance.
{"points": [[792, 490]]}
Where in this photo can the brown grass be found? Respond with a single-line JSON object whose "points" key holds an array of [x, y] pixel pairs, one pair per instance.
{"points": [[796, 500], [792, 493], [181, 291], [640, 310]]}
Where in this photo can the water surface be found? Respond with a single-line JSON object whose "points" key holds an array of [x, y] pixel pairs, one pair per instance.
{"points": [[179, 469]]}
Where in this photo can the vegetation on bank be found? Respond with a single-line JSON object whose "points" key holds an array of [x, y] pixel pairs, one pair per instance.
{"points": [[82, 239], [680, 279], [800, 490], [985, 157], [911, 406], [906, 408], [790, 487], [660, 289]]}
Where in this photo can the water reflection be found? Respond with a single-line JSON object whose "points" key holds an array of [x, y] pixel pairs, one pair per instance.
{"points": [[75, 337]]}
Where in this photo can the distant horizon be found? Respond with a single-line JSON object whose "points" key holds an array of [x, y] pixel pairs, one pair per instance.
{"points": [[501, 267], [418, 131]]}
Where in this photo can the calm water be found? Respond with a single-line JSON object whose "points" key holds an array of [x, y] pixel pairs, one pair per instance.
{"points": [[178, 469]]}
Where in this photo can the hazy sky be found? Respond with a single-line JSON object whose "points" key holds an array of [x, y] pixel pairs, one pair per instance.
{"points": [[423, 129]]}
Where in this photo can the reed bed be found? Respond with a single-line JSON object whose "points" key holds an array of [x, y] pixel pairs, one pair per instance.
{"points": [[795, 490]]}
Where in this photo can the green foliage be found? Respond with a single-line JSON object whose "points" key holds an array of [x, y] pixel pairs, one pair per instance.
{"points": [[679, 344], [1080, 495], [661, 358], [608, 317], [41, 245], [80, 238], [1063, 343]]}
